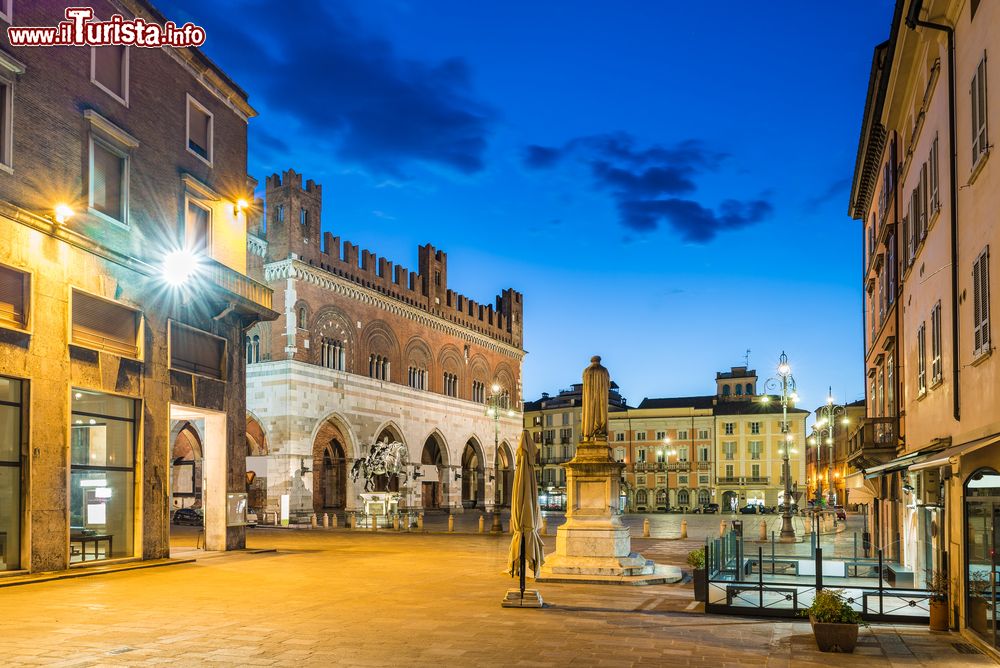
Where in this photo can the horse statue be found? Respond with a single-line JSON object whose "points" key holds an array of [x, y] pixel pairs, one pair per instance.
{"points": [[383, 458]]}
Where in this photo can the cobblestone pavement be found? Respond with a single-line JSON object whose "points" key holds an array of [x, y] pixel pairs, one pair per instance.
{"points": [[385, 599]]}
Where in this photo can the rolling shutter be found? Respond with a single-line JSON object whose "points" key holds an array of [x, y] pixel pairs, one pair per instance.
{"points": [[105, 325], [13, 286], [195, 351]]}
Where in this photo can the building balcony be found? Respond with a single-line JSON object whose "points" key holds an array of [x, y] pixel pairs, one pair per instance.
{"points": [[742, 480], [704, 466], [872, 443], [679, 466], [554, 459], [238, 284], [644, 467]]}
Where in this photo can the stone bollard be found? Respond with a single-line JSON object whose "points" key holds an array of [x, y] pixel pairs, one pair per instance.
{"points": [[312, 520], [276, 520], [722, 528], [763, 531], [326, 520], [545, 527], [684, 528], [645, 528], [420, 522], [451, 524], [395, 522], [374, 521], [482, 524], [333, 520]]}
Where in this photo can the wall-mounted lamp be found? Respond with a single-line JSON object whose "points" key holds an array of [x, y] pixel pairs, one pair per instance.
{"points": [[458, 476], [304, 469], [241, 206], [63, 212], [417, 473]]}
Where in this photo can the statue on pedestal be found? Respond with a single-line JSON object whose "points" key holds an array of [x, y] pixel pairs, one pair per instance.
{"points": [[596, 385]]}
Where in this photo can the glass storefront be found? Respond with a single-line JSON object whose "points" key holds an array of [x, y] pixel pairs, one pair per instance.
{"points": [[10, 474], [102, 477], [982, 522]]}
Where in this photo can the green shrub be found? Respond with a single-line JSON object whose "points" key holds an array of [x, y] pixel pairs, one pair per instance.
{"points": [[696, 558], [830, 607]]}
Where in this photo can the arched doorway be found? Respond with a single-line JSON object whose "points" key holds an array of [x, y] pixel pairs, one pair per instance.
{"points": [[433, 488], [982, 550], [473, 487], [504, 476], [730, 501], [329, 468], [256, 465], [186, 467]]}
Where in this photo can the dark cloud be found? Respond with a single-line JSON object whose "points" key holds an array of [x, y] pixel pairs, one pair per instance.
{"points": [[651, 185], [837, 189], [346, 88]]}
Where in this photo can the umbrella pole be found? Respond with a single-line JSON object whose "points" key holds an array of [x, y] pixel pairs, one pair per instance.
{"points": [[522, 565]]}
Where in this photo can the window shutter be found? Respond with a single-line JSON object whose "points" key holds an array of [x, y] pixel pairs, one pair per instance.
{"points": [[109, 68], [924, 193], [195, 351], [105, 325], [984, 295], [107, 181], [977, 300], [13, 286]]}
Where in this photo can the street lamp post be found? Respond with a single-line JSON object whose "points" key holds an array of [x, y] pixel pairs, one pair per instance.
{"points": [[826, 425], [497, 404], [786, 382]]}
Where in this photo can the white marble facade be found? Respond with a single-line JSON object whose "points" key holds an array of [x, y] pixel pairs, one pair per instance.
{"points": [[292, 401]]}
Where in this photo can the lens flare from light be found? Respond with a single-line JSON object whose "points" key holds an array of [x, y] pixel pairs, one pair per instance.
{"points": [[179, 266]]}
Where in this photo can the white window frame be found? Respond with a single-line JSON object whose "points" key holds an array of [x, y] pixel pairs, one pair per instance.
{"points": [[125, 75], [201, 204], [922, 359], [7, 10], [187, 130], [124, 155], [935, 181], [7, 155], [936, 367]]}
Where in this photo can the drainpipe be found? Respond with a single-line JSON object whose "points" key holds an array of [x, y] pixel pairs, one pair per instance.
{"points": [[912, 22]]}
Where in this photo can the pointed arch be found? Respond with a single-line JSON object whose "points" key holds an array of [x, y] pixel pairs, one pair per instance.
{"points": [[378, 355], [452, 376], [330, 447], [333, 338], [419, 363], [256, 437]]}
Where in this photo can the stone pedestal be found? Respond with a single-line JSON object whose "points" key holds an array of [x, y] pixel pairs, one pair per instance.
{"points": [[593, 545]]}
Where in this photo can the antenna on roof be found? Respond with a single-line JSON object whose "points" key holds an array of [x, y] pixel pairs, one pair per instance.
{"points": [[746, 358]]}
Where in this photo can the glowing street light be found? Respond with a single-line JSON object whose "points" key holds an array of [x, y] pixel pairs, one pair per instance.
{"points": [[63, 213], [179, 266], [786, 382], [826, 425]]}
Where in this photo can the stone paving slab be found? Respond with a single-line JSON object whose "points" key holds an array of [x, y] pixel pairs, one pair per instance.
{"points": [[362, 599]]}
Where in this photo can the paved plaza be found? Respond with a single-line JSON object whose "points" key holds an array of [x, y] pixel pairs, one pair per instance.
{"points": [[385, 599]]}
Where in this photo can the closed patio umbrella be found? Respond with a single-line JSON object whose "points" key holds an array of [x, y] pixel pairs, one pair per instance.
{"points": [[526, 548]]}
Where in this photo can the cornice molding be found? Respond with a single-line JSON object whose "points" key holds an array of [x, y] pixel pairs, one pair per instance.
{"points": [[298, 270]]}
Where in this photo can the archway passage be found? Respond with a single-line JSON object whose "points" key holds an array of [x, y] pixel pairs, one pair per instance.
{"points": [[432, 475], [504, 476], [256, 466], [186, 468], [730, 501], [329, 468], [473, 487]]}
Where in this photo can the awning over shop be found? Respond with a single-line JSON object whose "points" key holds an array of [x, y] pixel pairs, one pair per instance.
{"points": [[860, 490], [906, 461], [943, 458]]}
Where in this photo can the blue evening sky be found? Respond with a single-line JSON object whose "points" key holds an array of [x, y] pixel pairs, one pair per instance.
{"points": [[666, 182]]}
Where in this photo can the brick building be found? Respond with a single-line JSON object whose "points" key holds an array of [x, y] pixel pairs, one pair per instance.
{"points": [[366, 350], [102, 361]]}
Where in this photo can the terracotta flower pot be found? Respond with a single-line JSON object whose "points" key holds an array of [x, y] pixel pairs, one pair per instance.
{"points": [[833, 637], [939, 615]]}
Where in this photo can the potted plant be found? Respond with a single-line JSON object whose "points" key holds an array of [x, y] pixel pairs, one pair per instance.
{"points": [[834, 622], [978, 605], [937, 585], [696, 560]]}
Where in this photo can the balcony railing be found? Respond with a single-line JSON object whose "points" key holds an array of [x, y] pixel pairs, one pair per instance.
{"points": [[238, 284], [704, 466], [651, 466], [679, 466], [554, 459], [742, 480], [874, 442]]}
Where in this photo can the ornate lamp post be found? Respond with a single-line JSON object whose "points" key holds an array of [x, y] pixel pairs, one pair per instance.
{"points": [[497, 405], [826, 429], [786, 382]]}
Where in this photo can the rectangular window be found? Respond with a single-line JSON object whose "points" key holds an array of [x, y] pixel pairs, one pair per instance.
{"points": [[682, 434], [640, 436], [730, 472], [640, 480], [702, 434], [195, 351], [755, 449], [6, 123], [682, 480], [661, 456], [661, 435], [109, 70], [6, 10], [703, 453], [703, 480], [108, 180], [620, 436], [200, 130], [922, 358], [729, 427], [890, 387], [729, 448], [642, 454], [981, 303], [102, 474], [980, 140], [198, 228], [755, 471], [935, 344], [548, 420], [924, 189], [755, 427], [682, 453], [11, 421], [279, 213], [935, 194], [303, 216], [102, 324], [14, 298]]}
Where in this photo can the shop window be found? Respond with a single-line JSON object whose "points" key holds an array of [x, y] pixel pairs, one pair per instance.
{"points": [[102, 476], [10, 473], [102, 324], [195, 351], [982, 546]]}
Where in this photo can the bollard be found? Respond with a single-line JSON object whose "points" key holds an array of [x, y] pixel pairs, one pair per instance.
{"points": [[482, 524], [374, 521], [684, 528], [451, 524], [722, 528], [333, 520], [420, 522], [326, 520], [312, 520], [645, 528], [763, 531], [276, 518], [395, 522], [545, 527]]}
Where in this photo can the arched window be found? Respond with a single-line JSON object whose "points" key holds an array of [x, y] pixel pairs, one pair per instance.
{"points": [[682, 498], [725, 390], [249, 346], [302, 317], [256, 348], [640, 497], [704, 497], [749, 389], [378, 367], [332, 354], [739, 390]]}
